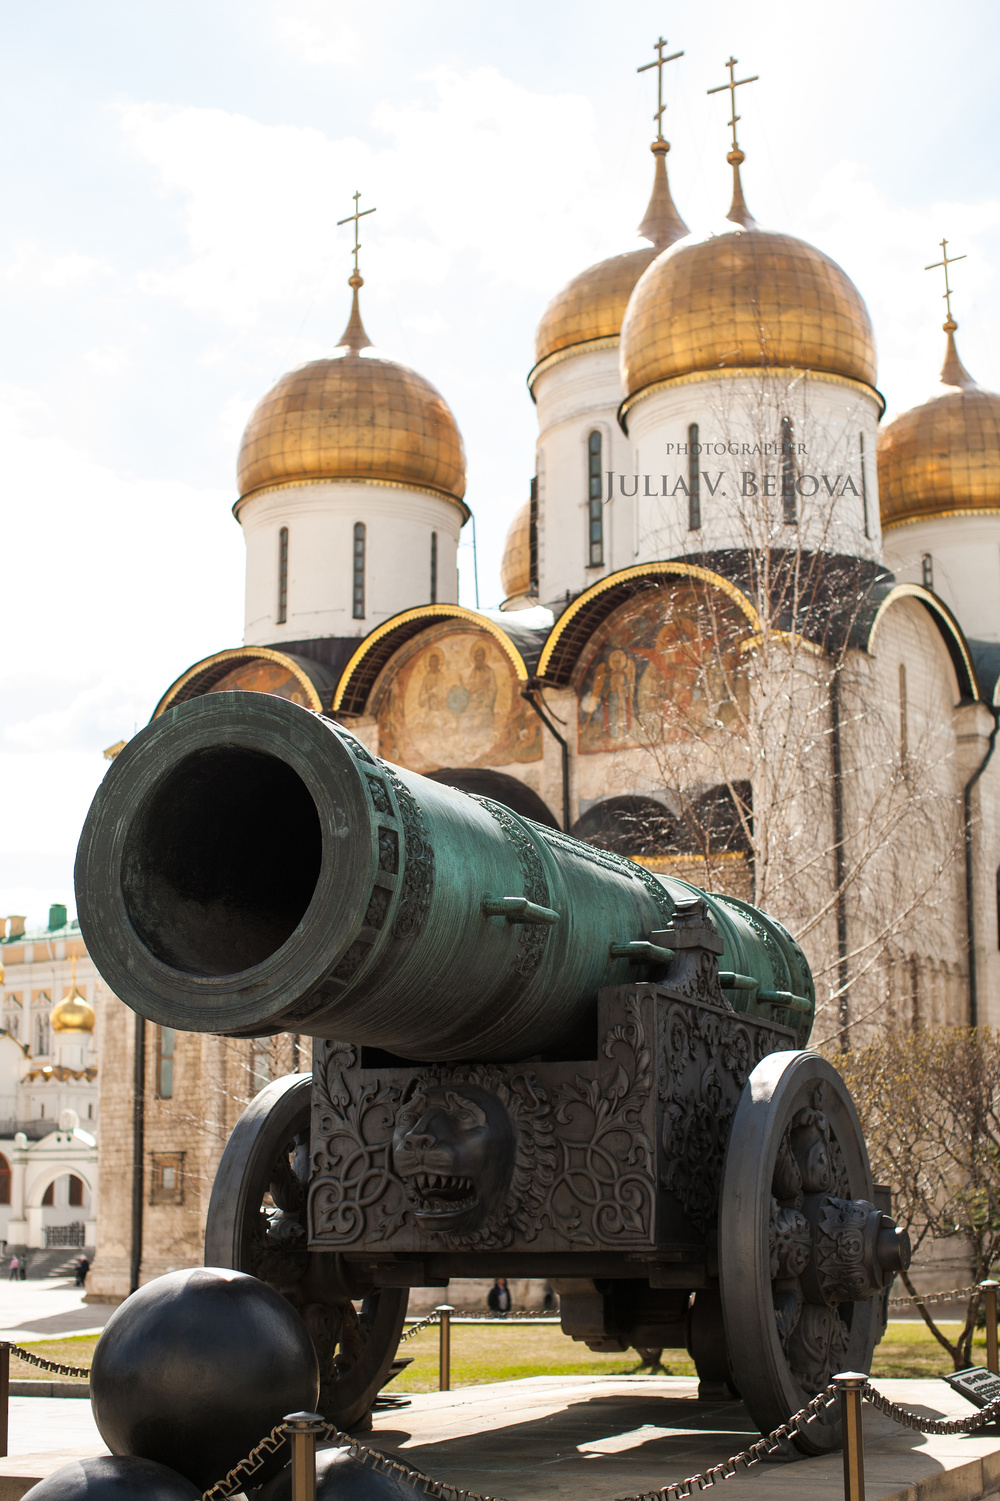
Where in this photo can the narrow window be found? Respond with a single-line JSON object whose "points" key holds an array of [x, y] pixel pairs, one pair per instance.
{"points": [[359, 570], [75, 1192], [595, 510], [434, 567], [533, 537], [788, 472], [4, 1180], [283, 575], [903, 730], [927, 570], [864, 482], [165, 1044], [694, 479], [49, 1197]]}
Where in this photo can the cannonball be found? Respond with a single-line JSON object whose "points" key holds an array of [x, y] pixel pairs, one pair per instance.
{"points": [[195, 1368], [113, 1477], [341, 1477]]}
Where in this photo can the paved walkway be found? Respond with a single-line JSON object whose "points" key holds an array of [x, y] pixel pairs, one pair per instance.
{"points": [[592, 1439], [47, 1308]]}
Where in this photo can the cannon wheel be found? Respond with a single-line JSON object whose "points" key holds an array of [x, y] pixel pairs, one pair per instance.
{"points": [[256, 1224], [782, 1348]]}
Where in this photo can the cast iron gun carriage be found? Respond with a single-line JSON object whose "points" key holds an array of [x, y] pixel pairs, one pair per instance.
{"points": [[531, 1058]]}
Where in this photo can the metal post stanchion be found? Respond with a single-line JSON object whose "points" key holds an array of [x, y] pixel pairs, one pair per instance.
{"points": [[4, 1397], [989, 1287], [303, 1428], [444, 1312], [851, 1385]]}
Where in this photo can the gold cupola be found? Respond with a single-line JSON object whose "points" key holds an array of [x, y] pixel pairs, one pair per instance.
{"points": [[519, 587], [73, 1013], [942, 458], [743, 297], [588, 311], [356, 415]]}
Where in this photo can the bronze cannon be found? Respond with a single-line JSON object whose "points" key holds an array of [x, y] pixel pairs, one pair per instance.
{"points": [[533, 1058]]}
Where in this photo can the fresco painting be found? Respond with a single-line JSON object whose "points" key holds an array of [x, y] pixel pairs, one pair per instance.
{"points": [[659, 668], [455, 700], [256, 676]]}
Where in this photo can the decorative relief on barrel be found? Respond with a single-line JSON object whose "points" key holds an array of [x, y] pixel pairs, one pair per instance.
{"points": [[618, 863], [531, 943], [710, 1053], [418, 870]]}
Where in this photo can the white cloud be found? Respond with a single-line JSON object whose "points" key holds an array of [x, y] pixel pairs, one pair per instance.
{"points": [[321, 32]]}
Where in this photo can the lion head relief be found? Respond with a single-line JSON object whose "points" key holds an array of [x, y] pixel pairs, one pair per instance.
{"points": [[474, 1149]]}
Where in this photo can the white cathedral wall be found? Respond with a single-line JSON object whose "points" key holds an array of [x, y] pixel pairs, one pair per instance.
{"points": [[906, 907], [320, 519], [739, 430], [964, 554], [577, 396]]}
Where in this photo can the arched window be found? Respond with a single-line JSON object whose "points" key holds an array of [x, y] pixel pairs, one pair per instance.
{"points": [[434, 567], [595, 512], [694, 479], [927, 570], [282, 576], [75, 1192], [788, 475], [4, 1180], [43, 1034], [358, 565], [864, 483], [49, 1196], [166, 1042]]}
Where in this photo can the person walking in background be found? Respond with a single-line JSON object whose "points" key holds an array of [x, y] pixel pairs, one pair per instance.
{"points": [[82, 1268], [498, 1299], [23, 1270], [15, 1269]]}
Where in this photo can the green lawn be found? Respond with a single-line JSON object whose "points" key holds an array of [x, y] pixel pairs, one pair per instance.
{"points": [[499, 1352]]}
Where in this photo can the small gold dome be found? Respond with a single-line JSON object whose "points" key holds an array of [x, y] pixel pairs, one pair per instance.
{"points": [[73, 1014], [593, 304], [745, 297], [942, 458], [357, 415], [515, 570]]}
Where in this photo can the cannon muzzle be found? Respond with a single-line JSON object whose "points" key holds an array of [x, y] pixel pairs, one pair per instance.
{"points": [[249, 867]]}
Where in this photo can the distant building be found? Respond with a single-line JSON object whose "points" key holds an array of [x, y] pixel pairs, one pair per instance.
{"points": [[49, 1090]]}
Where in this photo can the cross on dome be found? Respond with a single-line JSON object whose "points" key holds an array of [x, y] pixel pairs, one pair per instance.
{"points": [[953, 372], [658, 63], [946, 261], [359, 213], [738, 211]]}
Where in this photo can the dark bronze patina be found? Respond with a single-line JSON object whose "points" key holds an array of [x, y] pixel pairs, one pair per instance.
{"points": [[534, 1058]]}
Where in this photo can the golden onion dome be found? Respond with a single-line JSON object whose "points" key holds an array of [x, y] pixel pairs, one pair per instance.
{"points": [[942, 458], [357, 415], [515, 570], [591, 306], [745, 297], [73, 1014]]}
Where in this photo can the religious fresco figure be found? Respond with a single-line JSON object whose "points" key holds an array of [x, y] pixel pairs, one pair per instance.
{"points": [[614, 694], [481, 685]]}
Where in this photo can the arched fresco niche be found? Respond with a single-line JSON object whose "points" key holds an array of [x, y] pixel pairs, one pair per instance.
{"points": [[451, 697], [663, 667], [263, 677]]}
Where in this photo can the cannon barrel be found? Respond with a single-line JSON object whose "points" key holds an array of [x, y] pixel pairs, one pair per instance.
{"points": [[249, 867]]}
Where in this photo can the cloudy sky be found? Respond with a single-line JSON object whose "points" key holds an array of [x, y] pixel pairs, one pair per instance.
{"points": [[172, 177]]}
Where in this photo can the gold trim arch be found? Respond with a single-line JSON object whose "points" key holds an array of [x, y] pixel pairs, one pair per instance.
{"points": [[577, 624], [358, 677], [946, 623], [212, 669]]}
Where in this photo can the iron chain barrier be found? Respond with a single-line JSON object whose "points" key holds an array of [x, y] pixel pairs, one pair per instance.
{"points": [[850, 1388], [55, 1366], [949, 1297]]}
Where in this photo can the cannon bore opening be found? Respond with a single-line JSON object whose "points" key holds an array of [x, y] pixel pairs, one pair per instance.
{"points": [[221, 861]]}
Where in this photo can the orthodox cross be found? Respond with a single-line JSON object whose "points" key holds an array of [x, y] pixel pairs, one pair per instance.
{"points": [[733, 84], [359, 213], [948, 260], [658, 63]]}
